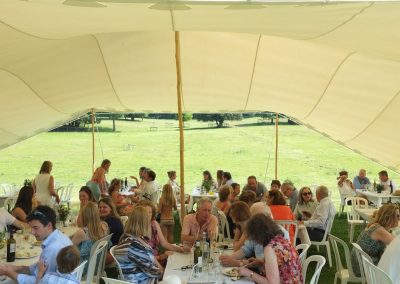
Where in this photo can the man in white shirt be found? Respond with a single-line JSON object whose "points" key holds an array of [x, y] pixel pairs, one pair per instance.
{"points": [[324, 212], [390, 260], [150, 188], [387, 183]]}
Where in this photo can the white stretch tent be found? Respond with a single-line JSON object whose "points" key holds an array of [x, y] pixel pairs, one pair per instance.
{"points": [[333, 66]]}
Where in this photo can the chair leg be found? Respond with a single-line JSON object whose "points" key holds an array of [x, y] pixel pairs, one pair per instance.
{"points": [[335, 281], [317, 248], [328, 251], [351, 232]]}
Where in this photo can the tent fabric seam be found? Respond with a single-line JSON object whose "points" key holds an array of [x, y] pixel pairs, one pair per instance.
{"points": [[329, 83], [31, 88], [252, 72], [341, 24], [108, 73]]}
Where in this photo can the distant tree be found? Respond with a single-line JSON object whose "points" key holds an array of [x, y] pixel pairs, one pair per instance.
{"points": [[134, 115], [186, 116], [219, 118]]}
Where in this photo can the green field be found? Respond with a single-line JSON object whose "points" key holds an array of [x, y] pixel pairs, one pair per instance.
{"points": [[245, 148]]}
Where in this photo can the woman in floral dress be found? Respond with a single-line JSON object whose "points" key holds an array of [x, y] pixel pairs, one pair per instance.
{"points": [[282, 263]]}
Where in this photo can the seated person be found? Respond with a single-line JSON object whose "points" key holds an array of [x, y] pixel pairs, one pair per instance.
{"points": [[248, 196], [291, 193], [123, 206], [374, 239], [202, 221], [256, 186], [24, 204], [387, 183], [275, 184], [208, 183], [345, 185], [236, 192], [390, 262], [240, 214], [108, 213], [306, 205], [42, 221], [281, 263], [67, 260], [224, 194], [134, 255], [324, 212], [361, 181]]}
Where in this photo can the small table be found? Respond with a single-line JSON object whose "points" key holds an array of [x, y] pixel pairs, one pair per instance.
{"points": [[378, 198]]}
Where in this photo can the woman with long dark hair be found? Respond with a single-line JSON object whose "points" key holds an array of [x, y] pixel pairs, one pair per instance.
{"points": [[24, 204]]}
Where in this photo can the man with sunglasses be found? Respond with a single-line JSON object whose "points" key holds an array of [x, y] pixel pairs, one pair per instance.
{"points": [[42, 221]]}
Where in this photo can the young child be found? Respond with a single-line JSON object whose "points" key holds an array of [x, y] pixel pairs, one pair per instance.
{"points": [[67, 260], [166, 207]]}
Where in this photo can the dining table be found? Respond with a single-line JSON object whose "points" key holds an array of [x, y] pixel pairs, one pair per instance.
{"points": [[378, 198]]}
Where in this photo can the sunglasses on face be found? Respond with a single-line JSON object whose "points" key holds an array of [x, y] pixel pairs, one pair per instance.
{"points": [[306, 193]]}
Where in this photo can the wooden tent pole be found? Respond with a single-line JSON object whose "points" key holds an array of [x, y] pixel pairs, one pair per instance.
{"points": [[276, 145], [93, 140], [180, 117]]}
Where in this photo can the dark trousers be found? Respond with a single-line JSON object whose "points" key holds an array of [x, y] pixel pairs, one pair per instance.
{"points": [[315, 234]]}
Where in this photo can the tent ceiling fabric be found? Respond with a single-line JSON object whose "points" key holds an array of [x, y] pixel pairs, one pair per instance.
{"points": [[333, 66]]}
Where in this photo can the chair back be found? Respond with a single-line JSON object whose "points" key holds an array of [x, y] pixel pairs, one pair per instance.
{"points": [[223, 227], [66, 196], [292, 227], [335, 244], [78, 271], [121, 275], [360, 253], [113, 281], [95, 268], [303, 255], [9, 203], [320, 262], [355, 203], [374, 274]]}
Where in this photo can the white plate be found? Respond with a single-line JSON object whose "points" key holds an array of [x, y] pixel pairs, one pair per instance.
{"points": [[26, 255], [230, 272]]}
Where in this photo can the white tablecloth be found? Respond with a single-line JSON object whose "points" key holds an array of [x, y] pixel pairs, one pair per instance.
{"points": [[378, 198]]}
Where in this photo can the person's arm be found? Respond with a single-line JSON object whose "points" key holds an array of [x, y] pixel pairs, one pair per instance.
{"points": [[164, 243], [234, 260], [185, 237], [12, 271], [52, 190], [78, 237], [136, 180], [19, 214], [318, 219], [41, 270], [240, 242], [271, 269]]}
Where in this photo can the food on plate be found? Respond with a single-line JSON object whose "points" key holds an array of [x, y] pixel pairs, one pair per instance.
{"points": [[231, 272]]}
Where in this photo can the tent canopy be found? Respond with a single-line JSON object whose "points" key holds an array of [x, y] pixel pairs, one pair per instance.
{"points": [[334, 67]]}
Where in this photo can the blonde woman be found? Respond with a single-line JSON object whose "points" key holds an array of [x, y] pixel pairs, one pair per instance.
{"points": [[43, 185], [374, 239], [91, 229], [306, 205], [124, 208], [98, 182], [166, 207], [135, 256]]}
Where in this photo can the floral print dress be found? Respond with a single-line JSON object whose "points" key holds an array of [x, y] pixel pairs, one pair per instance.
{"points": [[289, 264]]}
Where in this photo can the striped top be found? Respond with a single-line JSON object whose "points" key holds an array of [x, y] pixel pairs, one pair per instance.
{"points": [[136, 260]]}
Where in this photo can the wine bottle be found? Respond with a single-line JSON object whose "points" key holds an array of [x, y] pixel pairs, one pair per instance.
{"points": [[197, 253], [11, 247]]}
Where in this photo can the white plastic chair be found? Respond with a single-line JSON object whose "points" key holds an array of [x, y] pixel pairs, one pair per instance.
{"points": [[78, 271], [353, 219], [344, 274], [123, 219], [303, 255], [9, 203], [121, 275], [343, 201], [320, 260], [66, 198], [374, 274], [223, 226], [325, 241], [287, 224], [113, 281], [97, 255], [361, 253]]}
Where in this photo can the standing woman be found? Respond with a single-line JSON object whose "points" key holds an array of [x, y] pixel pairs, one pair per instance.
{"points": [[306, 204], [166, 207], [24, 204], [175, 186], [134, 255], [98, 183], [281, 260], [43, 185]]}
